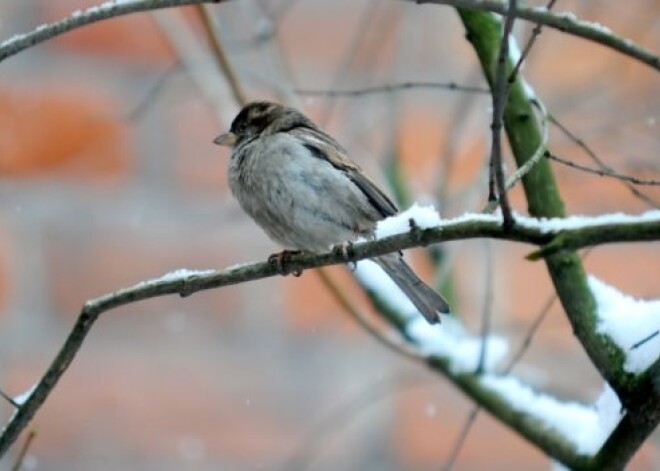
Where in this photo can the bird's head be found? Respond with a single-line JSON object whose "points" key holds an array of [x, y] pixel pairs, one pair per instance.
{"points": [[261, 118]]}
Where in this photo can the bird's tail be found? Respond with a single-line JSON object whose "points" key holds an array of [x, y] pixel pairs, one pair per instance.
{"points": [[429, 303]]}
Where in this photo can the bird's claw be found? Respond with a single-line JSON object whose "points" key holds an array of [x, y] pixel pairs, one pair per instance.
{"points": [[281, 261], [345, 249]]}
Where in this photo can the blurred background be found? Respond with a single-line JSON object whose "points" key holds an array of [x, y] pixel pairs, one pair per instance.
{"points": [[108, 176]]}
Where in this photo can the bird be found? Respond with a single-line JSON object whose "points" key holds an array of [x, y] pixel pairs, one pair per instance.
{"points": [[300, 186]]}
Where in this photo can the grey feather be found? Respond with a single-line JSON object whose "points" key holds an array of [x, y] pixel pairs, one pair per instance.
{"points": [[299, 185]]}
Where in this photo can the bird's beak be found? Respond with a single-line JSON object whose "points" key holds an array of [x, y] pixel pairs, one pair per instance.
{"points": [[227, 139]]}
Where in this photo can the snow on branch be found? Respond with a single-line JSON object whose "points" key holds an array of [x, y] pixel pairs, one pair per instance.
{"points": [[415, 227], [631, 323], [586, 427]]}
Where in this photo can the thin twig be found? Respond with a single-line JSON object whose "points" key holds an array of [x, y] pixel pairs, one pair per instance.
{"points": [[9, 399], [528, 47], [301, 458], [462, 437], [153, 91], [390, 339], [349, 55], [592, 154], [644, 340], [197, 61], [527, 341], [603, 172], [220, 55], [458, 120], [394, 87], [500, 91], [24, 449], [527, 167]]}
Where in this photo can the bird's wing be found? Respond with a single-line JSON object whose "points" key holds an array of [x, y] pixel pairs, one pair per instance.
{"points": [[323, 146]]}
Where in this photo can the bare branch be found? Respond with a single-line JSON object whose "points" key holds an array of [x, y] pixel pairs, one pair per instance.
{"points": [[220, 56], [186, 284], [462, 437], [391, 340], [564, 22], [144, 103], [500, 93], [78, 19], [603, 172], [527, 167], [528, 47], [18, 465], [590, 152], [646, 339], [9, 399], [394, 87]]}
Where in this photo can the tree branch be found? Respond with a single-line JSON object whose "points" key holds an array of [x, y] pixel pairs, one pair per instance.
{"points": [[603, 172], [563, 264], [78, 19], [500, 92], [641, 419], [220, 55], [392, 87], [564, 22], [186, 283]]}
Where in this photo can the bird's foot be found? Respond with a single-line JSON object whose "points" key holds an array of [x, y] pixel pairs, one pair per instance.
{"points": [[345, 249], [282, 262]]}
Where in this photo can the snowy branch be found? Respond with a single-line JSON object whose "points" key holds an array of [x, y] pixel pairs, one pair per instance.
{"points": [[564, 22], [425, 229], [525, 134], [78, 19]]}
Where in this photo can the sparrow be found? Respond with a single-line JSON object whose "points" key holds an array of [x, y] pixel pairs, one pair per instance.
{"points": [[299, 185]]}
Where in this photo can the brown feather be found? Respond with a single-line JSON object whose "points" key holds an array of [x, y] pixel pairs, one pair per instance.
{"points": [[324, 146]]}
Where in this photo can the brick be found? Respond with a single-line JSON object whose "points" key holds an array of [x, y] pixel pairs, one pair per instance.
{"points": [[134, 37], [60, 131]]}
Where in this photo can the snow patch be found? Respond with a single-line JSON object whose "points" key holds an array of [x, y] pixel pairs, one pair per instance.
{"points": [[179, 274], [451, 341], [586, 426], [21, 398], [628, 321], [424, 217], [553, 225]]}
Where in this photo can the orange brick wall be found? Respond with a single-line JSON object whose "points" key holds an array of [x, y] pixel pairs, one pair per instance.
{"points": [[242, 378]]}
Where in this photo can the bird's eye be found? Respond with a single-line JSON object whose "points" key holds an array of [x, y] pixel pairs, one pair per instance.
{"points": [[242, 127]]}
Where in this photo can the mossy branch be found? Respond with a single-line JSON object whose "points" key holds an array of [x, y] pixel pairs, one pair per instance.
{"points": [[564, 266]]}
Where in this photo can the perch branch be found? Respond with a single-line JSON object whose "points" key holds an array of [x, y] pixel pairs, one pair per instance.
{"points": [[187, 284]]}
